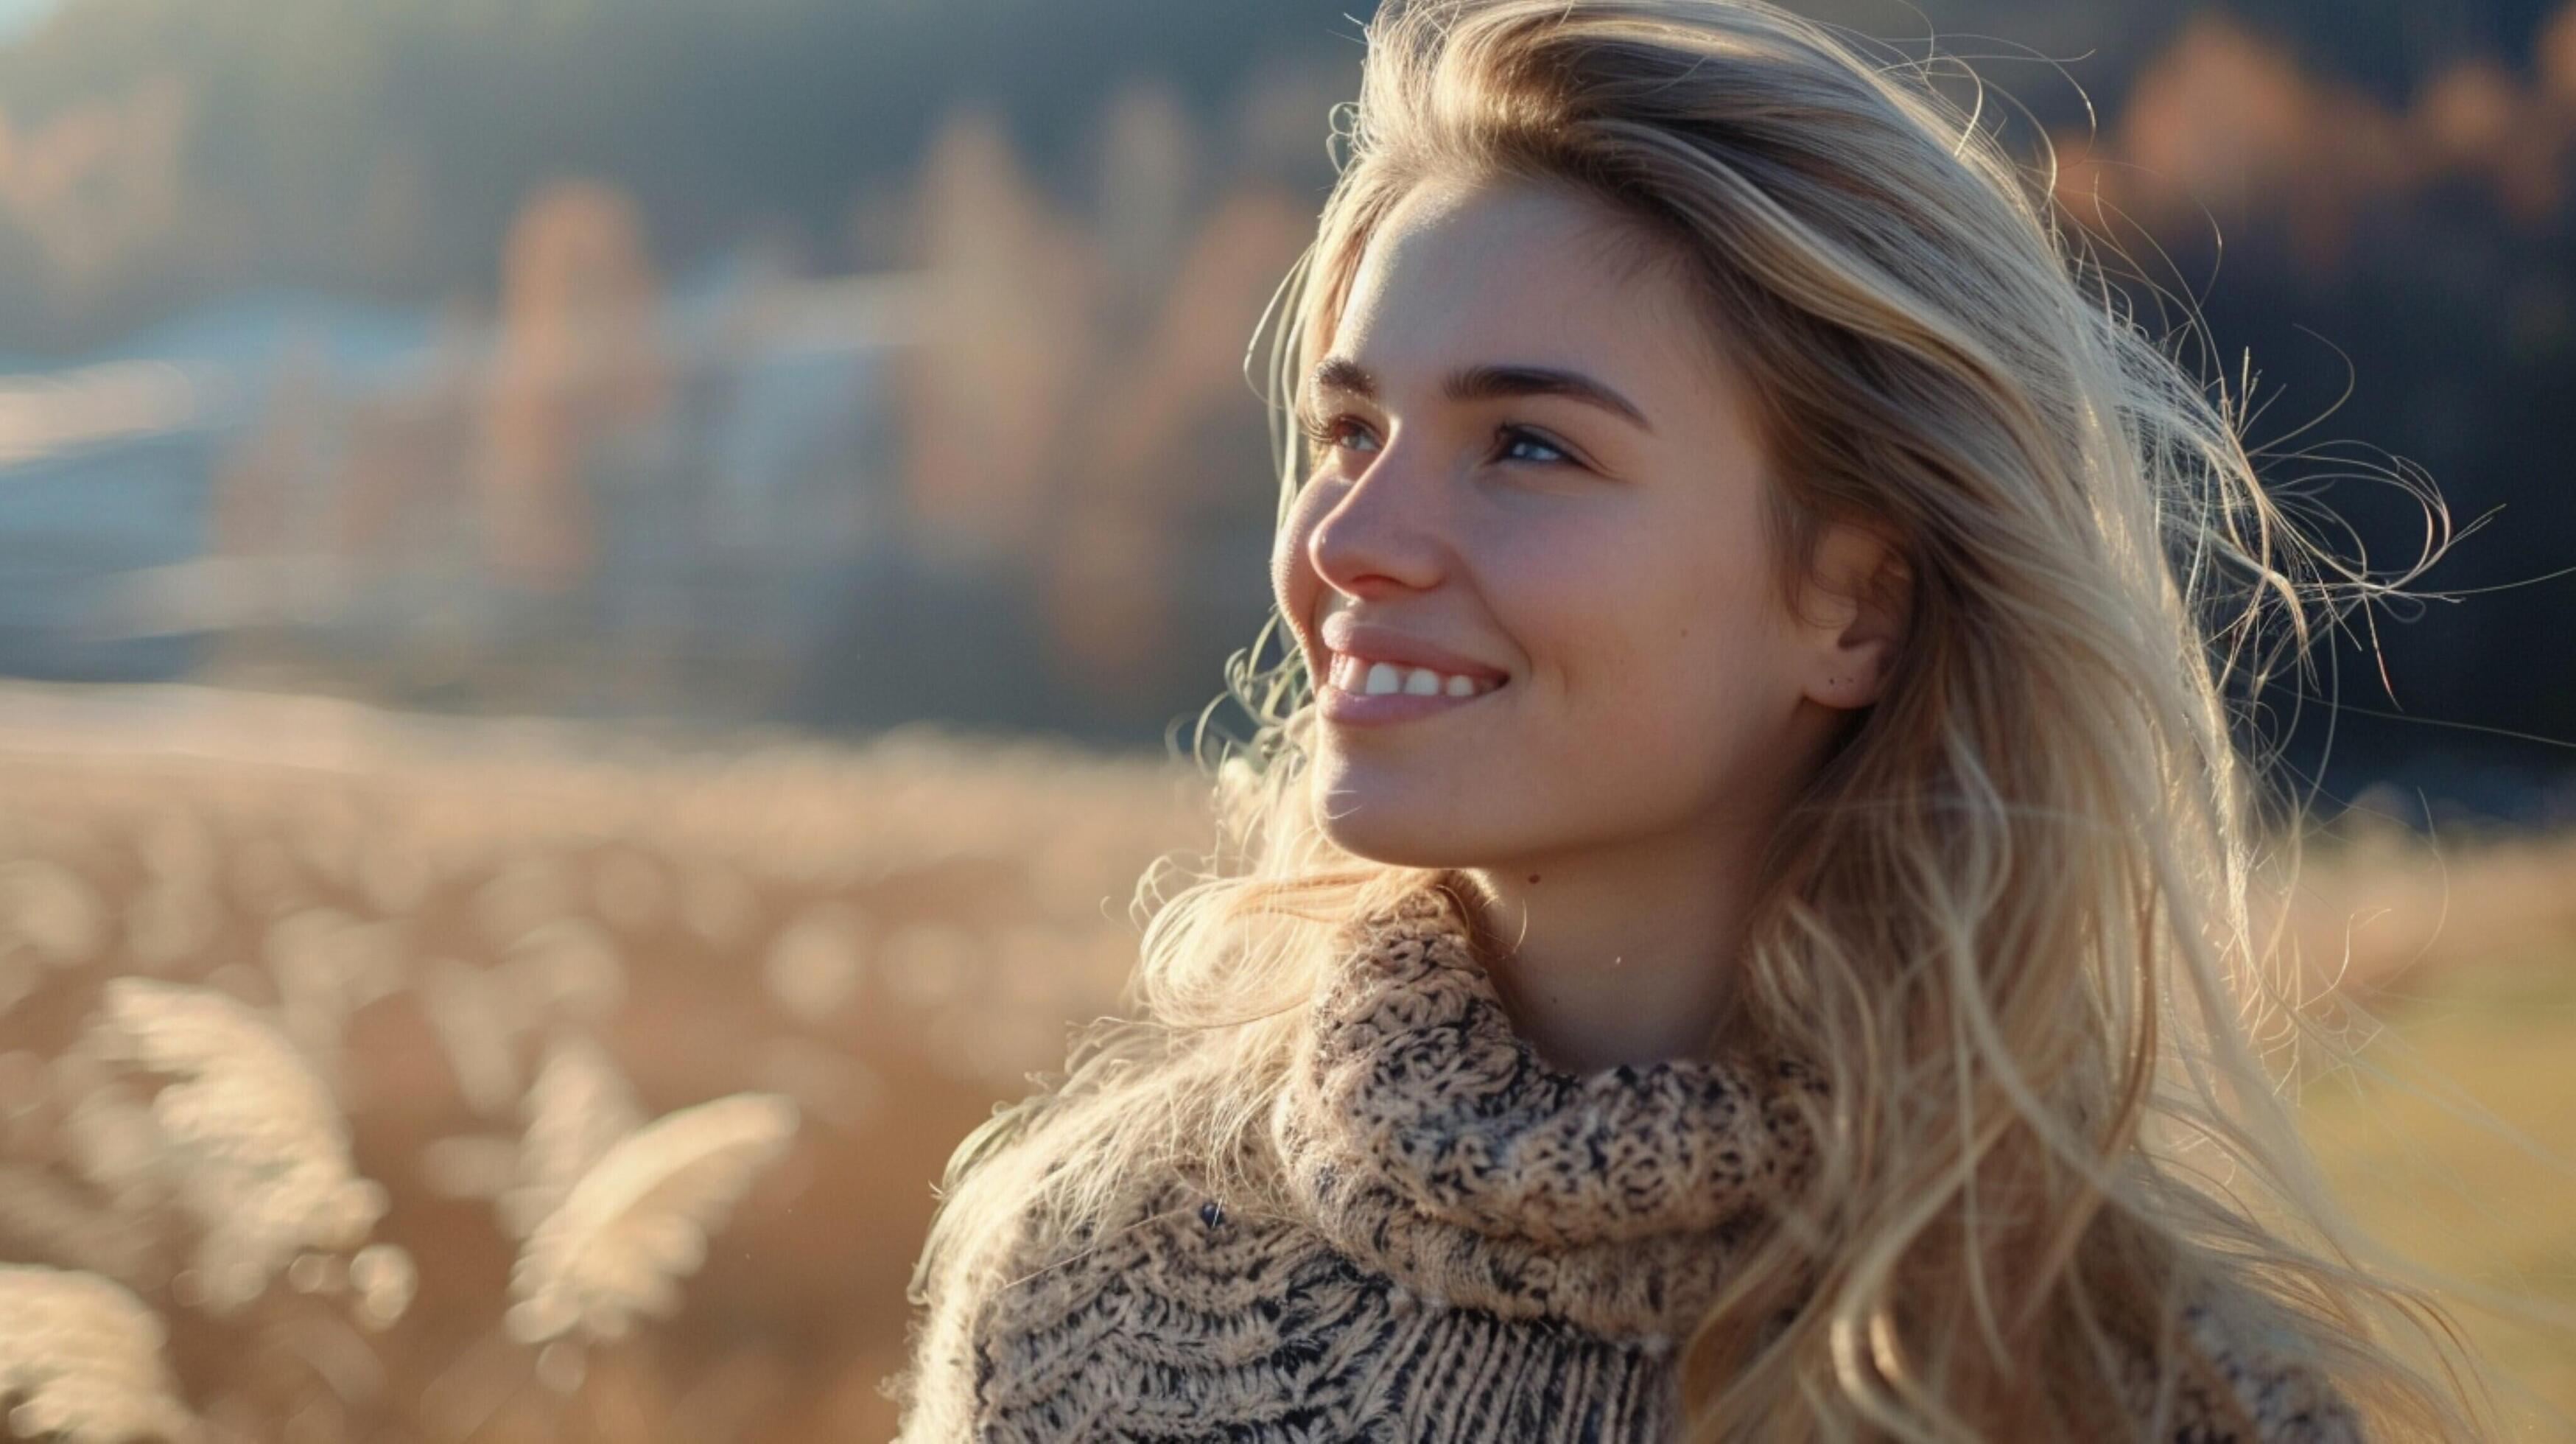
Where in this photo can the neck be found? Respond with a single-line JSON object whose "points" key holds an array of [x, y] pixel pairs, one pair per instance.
{"points": [[1620, 955]]}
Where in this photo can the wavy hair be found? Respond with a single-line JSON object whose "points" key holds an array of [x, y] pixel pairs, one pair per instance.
{"points": [[2011, 918]]}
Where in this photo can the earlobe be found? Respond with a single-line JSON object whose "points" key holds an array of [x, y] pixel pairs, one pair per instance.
{"points": [[1865, 580], [1856, 676]]}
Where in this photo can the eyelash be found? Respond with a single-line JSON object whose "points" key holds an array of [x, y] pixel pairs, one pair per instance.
{"points": [[1327, 434]]}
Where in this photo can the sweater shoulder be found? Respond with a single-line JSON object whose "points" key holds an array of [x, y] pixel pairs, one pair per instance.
{"points": [[939, 1392], [972, 1315], [2244, 1382]]}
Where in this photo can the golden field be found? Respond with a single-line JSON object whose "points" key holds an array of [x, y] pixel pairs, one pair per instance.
{"points": [[451, 1081]]}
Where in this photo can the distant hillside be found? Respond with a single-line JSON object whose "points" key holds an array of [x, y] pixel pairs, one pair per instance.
{"points": [[155, 151]]}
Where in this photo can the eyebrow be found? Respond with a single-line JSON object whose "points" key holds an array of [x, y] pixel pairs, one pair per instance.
{"points": [[1487, 383]]}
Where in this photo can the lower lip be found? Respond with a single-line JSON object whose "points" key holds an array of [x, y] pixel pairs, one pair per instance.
{"points": [[1355, 709]]}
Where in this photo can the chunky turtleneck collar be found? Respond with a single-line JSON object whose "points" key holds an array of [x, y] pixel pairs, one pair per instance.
{"points": [[1427, 1139]]}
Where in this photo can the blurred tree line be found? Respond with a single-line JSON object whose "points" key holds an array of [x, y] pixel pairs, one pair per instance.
{"points": [[157, 152]]}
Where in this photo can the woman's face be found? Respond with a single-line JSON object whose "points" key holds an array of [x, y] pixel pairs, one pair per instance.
{"points": [[1586, 552]]}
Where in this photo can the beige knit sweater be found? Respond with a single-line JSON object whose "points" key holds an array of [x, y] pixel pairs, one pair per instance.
{"points": [[1478, 1247]]}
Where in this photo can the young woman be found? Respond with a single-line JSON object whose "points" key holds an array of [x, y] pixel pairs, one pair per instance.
{"points": [[1735, 924]]}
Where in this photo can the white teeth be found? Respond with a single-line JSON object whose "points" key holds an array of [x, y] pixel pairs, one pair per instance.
{"points": [[1382, 679]]}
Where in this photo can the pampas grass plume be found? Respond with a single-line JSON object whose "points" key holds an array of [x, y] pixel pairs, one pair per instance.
{"points": [[639, 1217], [84, 1354]]}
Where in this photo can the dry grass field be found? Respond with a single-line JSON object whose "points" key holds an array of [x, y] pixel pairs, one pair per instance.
{"points": [[366, 1078]]}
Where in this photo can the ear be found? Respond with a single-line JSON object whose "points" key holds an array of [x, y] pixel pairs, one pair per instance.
{"points": [[1855, 610]]}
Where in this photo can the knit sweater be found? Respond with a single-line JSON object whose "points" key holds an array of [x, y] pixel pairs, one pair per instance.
{"points": [[1479, 1246]]}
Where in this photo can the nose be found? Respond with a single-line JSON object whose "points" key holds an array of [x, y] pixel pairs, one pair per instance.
{"points": [[1383, 532]]}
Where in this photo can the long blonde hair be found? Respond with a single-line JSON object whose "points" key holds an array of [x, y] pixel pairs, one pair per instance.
{"points": [[2009, 920]]}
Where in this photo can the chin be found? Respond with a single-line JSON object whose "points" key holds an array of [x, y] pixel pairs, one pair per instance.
{"points": [[1398, 836]]}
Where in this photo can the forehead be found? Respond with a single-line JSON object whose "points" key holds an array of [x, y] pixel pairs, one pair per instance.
{"points": [[1512, 272]]}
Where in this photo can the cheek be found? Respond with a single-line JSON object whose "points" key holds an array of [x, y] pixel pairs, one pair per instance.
{"points": [[1620, 612], [1654, 642]]}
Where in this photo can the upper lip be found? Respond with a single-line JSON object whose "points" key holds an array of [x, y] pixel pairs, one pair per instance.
{"points": [[1372, 643]]}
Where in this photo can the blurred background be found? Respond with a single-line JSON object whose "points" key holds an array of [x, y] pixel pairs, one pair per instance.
{"points": [[596, 601]]}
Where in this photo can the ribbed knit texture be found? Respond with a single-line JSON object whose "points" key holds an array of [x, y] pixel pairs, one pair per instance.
{"points": [[1478, 1247]]}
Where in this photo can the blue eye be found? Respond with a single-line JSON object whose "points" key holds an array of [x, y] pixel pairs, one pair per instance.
{"points": [[1524, 436]]}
